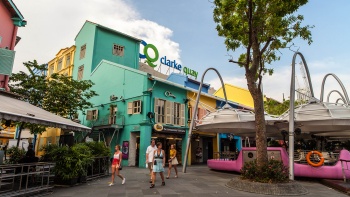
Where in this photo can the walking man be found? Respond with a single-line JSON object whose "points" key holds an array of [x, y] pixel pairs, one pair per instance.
{"points": [[149, 157]]}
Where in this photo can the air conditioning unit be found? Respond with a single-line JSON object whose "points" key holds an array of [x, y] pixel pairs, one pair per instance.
{"points": [[113, 98]]}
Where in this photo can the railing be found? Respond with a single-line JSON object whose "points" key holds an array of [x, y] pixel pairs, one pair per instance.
{"points": [[98, 168], [330, 158], [344, 163], [226, 155], [25, 179], [110, 120]]}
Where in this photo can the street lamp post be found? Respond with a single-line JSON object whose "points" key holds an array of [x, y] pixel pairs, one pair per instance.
{"points": [[291, 111], [194, 112]]}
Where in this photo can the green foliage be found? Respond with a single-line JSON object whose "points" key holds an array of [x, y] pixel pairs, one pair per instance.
{"points": [[71, 162], [98, 149], [67, 96], [48, 152], [15, 154], [60, 95], [262, 27], [273, 172], [276, 108]]}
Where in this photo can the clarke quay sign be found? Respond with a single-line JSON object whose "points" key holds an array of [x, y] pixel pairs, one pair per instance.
{"points": [[163, 60]]}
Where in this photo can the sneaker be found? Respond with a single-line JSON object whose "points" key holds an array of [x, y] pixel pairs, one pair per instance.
{"points": [[111, 184], [123, 182]]}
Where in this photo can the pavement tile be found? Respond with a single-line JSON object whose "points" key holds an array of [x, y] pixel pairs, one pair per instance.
{"points": [[199, 181]]}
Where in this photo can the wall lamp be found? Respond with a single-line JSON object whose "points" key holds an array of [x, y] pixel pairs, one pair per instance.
{"points": [[186, 100]]}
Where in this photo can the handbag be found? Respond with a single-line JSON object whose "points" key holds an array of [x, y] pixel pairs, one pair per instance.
{"points": [[155, 162], [120, 168]]}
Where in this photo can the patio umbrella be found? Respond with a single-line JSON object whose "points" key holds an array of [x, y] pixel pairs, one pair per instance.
{"points": [[236, 121], [17, 110], [318, 117]]}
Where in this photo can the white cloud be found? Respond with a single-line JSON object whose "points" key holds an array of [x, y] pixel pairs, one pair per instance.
{"points": [[279, 83], [53, 25]]}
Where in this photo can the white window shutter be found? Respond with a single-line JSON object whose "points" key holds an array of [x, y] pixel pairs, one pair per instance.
{"points": [[156, 107], [89, 115], [182, 115], [96, 114], [130, 105], [140, 106], [168, 112]]}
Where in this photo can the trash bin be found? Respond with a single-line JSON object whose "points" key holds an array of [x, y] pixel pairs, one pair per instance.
{"points": [[1, 157]]}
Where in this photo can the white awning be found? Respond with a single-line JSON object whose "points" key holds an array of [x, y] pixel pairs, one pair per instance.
{"points": [[17, 110]]}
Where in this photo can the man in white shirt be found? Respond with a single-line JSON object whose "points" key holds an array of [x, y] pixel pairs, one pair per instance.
{"points": [[149, 156]]}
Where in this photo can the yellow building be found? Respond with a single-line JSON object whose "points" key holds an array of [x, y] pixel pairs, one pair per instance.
{"points": [[208, 142], [61, 64], [236, 94]]}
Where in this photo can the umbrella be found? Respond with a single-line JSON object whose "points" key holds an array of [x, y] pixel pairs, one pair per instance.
{"points": [[17, 110], [237, 121], [318, 117]]}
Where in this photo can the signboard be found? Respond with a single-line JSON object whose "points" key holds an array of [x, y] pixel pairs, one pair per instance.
{"points": [[168, 129], [163, 60], [125, 149]]}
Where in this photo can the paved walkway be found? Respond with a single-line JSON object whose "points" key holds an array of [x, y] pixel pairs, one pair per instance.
{"points": [[198, 181]]}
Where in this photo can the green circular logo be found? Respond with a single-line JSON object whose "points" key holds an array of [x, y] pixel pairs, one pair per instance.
{"points": [[149, 59]]}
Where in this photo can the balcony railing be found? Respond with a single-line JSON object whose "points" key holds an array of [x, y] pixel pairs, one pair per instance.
{"points": [[116, 120], [7, 58]]}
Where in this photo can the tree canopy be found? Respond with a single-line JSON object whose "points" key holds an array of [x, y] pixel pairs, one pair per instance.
{"points": [[59, 94], [262, 28]]}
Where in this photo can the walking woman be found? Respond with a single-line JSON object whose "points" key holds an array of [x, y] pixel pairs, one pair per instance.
{"points": [[117, 165], [158, 164], [172, 160]]}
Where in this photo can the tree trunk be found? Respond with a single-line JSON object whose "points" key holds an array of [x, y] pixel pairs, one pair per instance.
{"points": [[260, 127]]}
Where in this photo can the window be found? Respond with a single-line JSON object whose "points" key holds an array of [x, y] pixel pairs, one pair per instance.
{"points": [[118, 50], [59, 65], [134, 107], [80, 72], [177, 117], [82, 51], [112, 114], [68, 60], [92, 114], [159, 110], [51, 69], [168, 112]]}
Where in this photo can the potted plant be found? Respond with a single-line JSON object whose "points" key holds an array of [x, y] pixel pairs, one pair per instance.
{"points": [[48, 152], [100, 164], [15, 154], [71, 163], [85, 157]]}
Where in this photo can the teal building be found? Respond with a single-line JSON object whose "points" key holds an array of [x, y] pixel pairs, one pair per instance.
{"points": [[130, 102]]}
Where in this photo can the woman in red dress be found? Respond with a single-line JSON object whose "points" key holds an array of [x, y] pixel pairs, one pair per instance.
{"points": [[117, 164]]}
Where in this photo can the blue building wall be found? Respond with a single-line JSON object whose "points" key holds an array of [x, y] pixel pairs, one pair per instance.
{"points": [[187, 82]]}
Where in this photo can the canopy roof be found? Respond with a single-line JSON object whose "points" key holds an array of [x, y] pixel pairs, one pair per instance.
{"points": [[17, 110], [318, 117], [236, 121]]}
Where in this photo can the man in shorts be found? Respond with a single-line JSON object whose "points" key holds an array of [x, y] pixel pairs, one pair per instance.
{"points": [[149, 156]]}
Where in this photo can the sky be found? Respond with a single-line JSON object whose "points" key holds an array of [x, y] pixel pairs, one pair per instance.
{"points": [[185, 31]]}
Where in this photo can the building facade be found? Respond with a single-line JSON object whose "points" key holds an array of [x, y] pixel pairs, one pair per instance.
{"points": [[10, 19], [62, 63], [135, 103]]}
